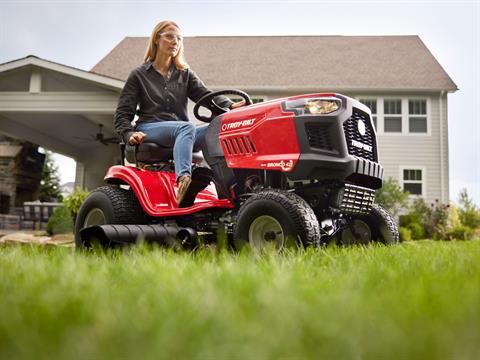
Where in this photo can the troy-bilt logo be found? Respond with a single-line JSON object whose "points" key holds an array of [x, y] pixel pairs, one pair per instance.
{"points": [[362, 146], [237, 124], [284, 165], [361, 127]]}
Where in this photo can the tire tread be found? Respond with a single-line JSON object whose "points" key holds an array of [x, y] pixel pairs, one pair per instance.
{"points": [[305, 220]]}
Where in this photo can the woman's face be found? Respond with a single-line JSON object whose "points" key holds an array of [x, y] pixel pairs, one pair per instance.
{"points": [[169, 41]]}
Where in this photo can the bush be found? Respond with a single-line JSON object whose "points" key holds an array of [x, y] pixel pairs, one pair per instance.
{"points": [[405, 234], [60, 222], [73, 201], [392, 197], [438, 222], [417, 230], [433, 218], [468, 213], [412, 222], [461, 232], [408, 219], [453, 218]]}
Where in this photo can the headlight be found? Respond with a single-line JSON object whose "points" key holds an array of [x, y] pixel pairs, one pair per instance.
{"points": [[313, 106], [319, 106]]}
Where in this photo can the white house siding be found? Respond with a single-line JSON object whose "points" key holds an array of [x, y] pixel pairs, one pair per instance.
{"points": [[420, 151]]}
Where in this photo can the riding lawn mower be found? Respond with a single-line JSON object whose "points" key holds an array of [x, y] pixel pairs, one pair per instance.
{"points": [[292, 172]]}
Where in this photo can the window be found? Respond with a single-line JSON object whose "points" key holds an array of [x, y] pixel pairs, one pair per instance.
{"points": [[257, 100], [392, 110], [413, 181], [417, 116], [372, 104]]}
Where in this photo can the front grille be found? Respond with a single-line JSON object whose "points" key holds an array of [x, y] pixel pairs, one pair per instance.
{"points": [[318, 137], [359, 145], [356, 199]]}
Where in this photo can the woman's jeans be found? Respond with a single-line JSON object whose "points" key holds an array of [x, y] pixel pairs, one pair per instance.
{"points": [[183, 136]]}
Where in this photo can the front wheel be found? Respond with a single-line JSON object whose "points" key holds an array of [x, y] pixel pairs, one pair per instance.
{"points": [[278, 219], [108, 205], [378, 226]]}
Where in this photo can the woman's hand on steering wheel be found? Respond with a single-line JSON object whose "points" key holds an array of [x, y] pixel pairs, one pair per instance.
{"points": [[236, 105], [208, 102]]}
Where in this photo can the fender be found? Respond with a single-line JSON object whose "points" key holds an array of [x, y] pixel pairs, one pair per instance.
{"points": [[156, 191]]}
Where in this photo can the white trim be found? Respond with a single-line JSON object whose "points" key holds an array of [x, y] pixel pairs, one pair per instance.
{"points": [[55, 102], [79, 174], [442, 156], [35, 82], [423, 169], [45, 64]]}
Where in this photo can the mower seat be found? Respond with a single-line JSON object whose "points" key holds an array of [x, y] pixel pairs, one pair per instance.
{"points": [[152, 153]]}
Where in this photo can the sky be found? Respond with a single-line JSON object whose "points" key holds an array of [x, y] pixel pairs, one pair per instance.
{"points": [[80, 33]]}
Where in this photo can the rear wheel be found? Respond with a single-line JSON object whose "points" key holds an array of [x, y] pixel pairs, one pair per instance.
{"points": [[278, 219], [378, 226], [108, 205]]}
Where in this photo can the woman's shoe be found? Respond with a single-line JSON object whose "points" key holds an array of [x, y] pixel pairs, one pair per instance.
{"points": [[201, 178], [183, 184]]}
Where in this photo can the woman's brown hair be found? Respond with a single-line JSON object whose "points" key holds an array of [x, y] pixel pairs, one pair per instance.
{"points": [[151, 52]]}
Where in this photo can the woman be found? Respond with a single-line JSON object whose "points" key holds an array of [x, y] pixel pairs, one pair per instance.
{"points": [[161, 88]]}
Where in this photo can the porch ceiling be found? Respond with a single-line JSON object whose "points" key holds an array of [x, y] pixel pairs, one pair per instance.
{"points": [[67, 134]]}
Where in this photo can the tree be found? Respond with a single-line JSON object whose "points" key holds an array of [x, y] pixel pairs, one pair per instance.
{"points": [[392, 197], [50, 183], [468, 212]]}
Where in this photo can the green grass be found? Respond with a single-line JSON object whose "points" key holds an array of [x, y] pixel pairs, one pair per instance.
{"points": [[415, 301]]}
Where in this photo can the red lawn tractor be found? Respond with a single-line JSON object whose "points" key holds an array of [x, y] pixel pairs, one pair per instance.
{"points": [[295, 171]]}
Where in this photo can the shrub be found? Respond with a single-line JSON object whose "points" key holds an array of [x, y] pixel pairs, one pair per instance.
{"points": [[438, 221], [60, 222], [392, 197], [73, 201], [405, 234], [420, 210], [461, 232], [468, 213], [433, 218], [408, 219], [453, 218], [412, 222], [417, 230]]}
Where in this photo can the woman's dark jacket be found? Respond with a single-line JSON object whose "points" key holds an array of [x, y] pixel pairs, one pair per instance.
{"points": [[158, 98]]}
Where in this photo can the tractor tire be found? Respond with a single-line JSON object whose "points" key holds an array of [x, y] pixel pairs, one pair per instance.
{"points": [[108, 205], [378, 226], [278, 218]]}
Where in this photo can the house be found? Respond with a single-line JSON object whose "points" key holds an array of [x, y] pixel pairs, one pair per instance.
{"points": [[61, 108]]}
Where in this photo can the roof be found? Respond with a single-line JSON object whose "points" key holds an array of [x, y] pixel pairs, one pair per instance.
{"points": [[32, 60], [303, 62]]}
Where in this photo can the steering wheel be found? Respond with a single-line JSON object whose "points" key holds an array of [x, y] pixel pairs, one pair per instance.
{"points": [[208, 102]]}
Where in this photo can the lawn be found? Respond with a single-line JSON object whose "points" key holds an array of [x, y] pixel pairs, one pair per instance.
{"points": [[414, 301]]}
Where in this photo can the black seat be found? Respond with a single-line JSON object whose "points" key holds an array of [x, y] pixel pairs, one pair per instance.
{"points": [[152, 153]]}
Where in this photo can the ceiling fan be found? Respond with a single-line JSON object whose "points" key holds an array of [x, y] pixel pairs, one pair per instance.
{"points": [[100, 137]]}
